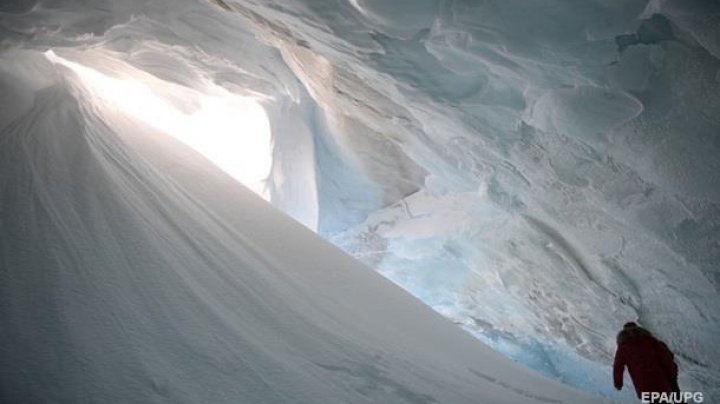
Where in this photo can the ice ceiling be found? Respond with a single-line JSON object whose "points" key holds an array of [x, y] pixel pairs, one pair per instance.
{"points": [[538, 171]]}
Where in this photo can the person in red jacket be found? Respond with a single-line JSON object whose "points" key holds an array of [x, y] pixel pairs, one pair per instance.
{"points": [[649, 361]]}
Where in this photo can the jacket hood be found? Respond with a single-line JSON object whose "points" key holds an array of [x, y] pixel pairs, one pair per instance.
{"points": [[631, 332]]}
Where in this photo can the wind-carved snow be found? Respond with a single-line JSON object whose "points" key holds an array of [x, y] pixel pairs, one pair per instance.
{"points": [[134, 270], [231, 131], [538, 172], [568, 152]]}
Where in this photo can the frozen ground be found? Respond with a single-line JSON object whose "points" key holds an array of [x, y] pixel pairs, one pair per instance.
{"points": [[538, 172]]}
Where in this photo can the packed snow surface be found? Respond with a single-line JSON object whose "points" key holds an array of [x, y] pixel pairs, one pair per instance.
{"points": [[539, 172]]}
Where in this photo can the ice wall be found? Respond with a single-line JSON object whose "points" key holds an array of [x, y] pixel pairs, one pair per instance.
{"points": [[539, 172], [132, 269], [567, 154]]}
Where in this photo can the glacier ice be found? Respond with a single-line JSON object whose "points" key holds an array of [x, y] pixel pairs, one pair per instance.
{"points": [[537, 172]]}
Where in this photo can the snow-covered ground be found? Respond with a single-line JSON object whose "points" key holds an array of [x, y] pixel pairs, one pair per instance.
{"points": [[537, 172]]}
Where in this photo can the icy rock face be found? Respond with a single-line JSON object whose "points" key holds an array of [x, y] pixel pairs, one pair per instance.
{"points": [[539, 172]]}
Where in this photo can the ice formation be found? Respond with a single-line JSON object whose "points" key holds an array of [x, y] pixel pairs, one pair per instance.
{"points": [[539, 172]]}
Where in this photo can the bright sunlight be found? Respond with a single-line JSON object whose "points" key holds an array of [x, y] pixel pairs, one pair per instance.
{"points": [[230, 130]]}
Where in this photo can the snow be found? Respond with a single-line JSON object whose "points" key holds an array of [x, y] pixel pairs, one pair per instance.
{"points": [[536, 172], [134, 270], [569, 181], [233, 132]]}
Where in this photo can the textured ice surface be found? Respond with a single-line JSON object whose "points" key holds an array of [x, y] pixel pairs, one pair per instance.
{"points": [[134, 270], [539, 172], [570, 160]]}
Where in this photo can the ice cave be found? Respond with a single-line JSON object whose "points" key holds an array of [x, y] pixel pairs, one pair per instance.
{"points": [[355, 201]]}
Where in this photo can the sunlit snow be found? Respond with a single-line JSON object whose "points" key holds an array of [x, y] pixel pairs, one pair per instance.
{"points": [[231, 131]]}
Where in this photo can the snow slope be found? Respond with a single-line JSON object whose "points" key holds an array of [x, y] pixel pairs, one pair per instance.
{"points": [[133, 270]]}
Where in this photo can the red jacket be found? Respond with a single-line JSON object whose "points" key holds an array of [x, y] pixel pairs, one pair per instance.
{"points": [[649, 362]]}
